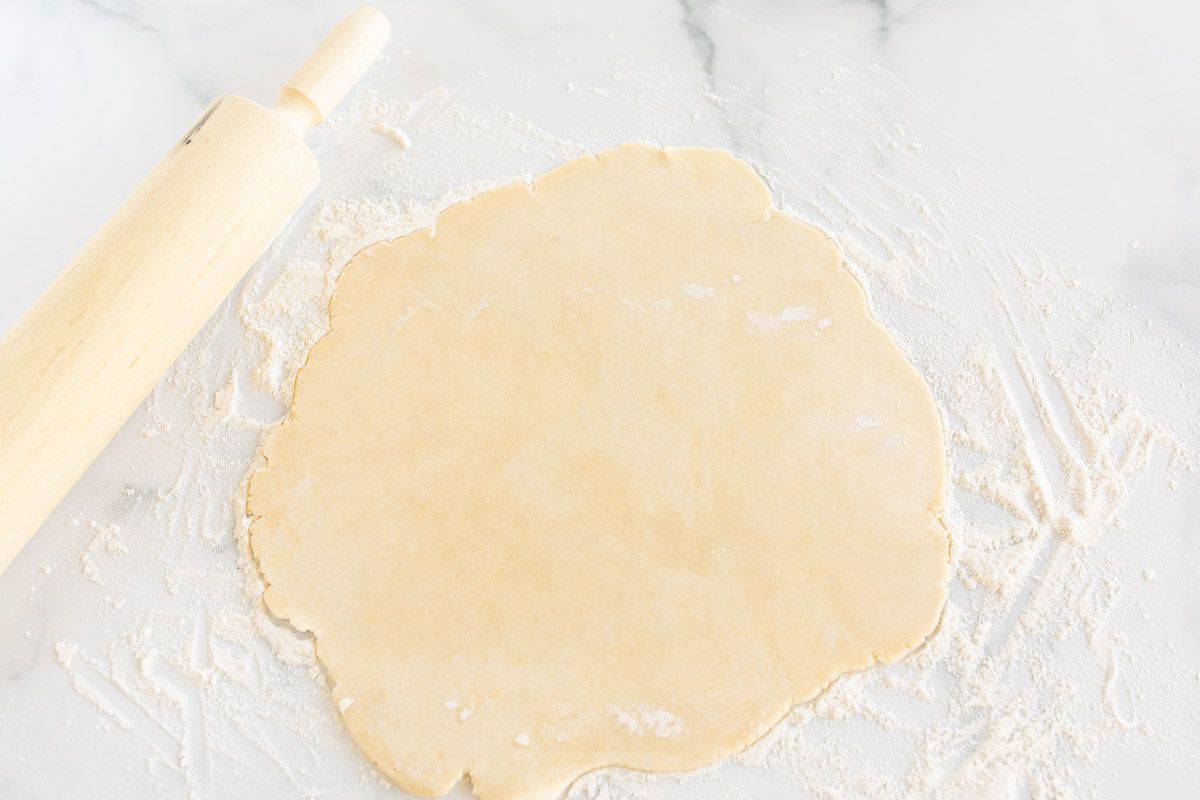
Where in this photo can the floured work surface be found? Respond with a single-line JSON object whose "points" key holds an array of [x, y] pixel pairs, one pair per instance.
{"points": [[610, 469]]}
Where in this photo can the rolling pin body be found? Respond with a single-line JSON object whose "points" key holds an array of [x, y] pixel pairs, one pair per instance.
{"points": [[80, 360]]}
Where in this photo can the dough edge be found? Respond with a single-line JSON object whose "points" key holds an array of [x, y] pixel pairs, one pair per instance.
{"points": [[278, 605]]}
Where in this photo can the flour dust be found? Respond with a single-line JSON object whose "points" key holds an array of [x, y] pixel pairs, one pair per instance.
{"points": [[1044, 671]]}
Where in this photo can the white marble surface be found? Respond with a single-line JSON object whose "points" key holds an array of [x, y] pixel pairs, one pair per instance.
{"points": [[1082, 118]]}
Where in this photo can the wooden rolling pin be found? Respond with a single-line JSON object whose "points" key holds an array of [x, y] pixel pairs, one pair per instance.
{"points": [[80, 360]]}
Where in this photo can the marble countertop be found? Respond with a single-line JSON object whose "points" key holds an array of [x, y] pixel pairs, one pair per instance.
{"points": [[1074, 126]]}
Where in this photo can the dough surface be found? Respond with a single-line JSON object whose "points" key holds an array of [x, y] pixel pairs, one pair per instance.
{"points": [[609, 469]]}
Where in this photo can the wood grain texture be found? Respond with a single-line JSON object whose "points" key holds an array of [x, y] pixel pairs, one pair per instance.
{"points": [[80, 360], [345, 54]]}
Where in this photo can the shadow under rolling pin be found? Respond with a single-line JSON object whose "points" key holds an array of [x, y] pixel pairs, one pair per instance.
{"points": [[76, 365]]}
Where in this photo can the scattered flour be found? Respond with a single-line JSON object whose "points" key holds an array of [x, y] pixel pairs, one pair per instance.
{"points": [[395, 134], [696, 290], [765, 321], [65, 653], [105, 541], [647, 721], [1040, 666]]}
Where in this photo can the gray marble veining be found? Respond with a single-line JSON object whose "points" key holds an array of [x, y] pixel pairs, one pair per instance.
{"points": [[1087, 113]]}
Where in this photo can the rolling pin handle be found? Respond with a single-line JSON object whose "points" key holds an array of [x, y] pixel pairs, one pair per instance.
{"points": [[78, 362], [333, 69]]}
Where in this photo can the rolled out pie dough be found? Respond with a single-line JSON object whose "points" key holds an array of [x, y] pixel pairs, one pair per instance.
{"points": [[612, 468]]}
